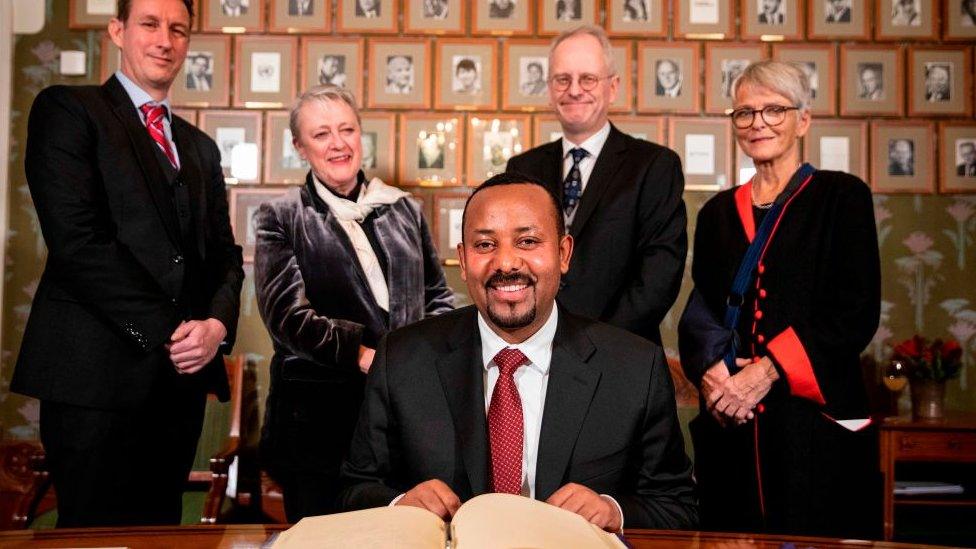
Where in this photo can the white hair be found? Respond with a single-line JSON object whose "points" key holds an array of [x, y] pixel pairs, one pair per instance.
{"points": [[786, 79]]}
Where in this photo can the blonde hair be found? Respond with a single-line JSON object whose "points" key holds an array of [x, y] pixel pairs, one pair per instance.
{"points": [[595, 32], [786, 79], [328, 92]]}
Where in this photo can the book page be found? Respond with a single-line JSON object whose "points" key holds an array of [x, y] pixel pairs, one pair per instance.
{"points": [[506, 520], [400, 526]]}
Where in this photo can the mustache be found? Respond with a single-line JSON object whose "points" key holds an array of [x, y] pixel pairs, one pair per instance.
{"points": [[504, 279]]}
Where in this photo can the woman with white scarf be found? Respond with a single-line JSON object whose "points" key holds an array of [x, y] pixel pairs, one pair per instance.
{"points": [[339, 262]]}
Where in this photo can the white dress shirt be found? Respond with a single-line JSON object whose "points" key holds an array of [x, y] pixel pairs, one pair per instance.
{"points": [[592, 145]]}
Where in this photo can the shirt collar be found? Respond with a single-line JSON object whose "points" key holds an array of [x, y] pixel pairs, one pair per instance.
{"points": [[592, 145], [536, 348], [139, 97]]}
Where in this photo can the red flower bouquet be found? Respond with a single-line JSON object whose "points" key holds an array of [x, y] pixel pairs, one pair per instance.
{"points": [[939, 360]]}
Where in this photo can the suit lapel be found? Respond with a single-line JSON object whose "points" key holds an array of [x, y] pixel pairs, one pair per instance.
{"points": [[607, 164], [191, 175], [554, 168]]}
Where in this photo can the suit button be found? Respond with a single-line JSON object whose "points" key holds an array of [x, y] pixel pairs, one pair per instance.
{"points": [[762, 293], [759, 338], [762, 268], [177, 258], [758, 315]]}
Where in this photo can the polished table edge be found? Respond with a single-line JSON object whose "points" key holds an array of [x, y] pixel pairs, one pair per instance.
{"points": [[953, 420]]}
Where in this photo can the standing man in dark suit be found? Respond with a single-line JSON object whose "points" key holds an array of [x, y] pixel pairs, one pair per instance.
{"points": [[517, 395], [142, 282], [621, 197]]}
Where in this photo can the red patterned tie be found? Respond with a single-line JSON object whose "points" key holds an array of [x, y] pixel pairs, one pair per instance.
{"points": [[505, 429], [154, 123]]}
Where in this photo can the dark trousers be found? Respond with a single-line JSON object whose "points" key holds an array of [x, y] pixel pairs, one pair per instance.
{"points": [[128, 466]]}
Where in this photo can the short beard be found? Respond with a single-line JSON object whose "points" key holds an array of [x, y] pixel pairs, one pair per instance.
{"points": [[512, 322]]}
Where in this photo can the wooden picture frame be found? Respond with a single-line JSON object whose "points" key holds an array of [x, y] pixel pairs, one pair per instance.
{"points": [[446, 225], [243, 204], [238, 137], [110, 58], [839, 19], [646, 19], [960, 21], [282, 163], [940, 81], [90, 14], [215, 17], [704, 19], [435, 17], [399, 73], [745, 167], [523, 86], [957, 164], [465, 74], [785, 23], [338, 61], [839, 145], [266, 69], [204, 79], [623, 56], [862, 90], [723, 63], [189, 115], [648, 128], [502, 17], [300, 16], [492, 139], [661, 63], [819, 61], [378, 131], [430, 149], [372, 16], [891, 23], [556, 16], [705, 148], [903, 156], [545, 129]]}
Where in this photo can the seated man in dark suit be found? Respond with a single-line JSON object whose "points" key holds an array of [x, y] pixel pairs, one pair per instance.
{"points": [[516, 395]]}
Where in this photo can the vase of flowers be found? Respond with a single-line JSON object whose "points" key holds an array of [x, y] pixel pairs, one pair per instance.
{"points": [[930, 365]]}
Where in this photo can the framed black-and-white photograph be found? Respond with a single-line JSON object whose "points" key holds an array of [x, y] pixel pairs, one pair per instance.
{"points": [[525, 75], [839, 145], [902, 157], [492, 140], [667, 77], [204, 80], [238, 136], [723, 64], [430, 150], [556, 16], [244, 204], [960, 20], [819, 62], [399, 73], [940, 81], [502, 17], [466, 70], [705, 148], [957, 141], [443, 17], [703, 19], [378, 137], [336, 61], [282, 163], [90, 14], [374, 16], [838, 19], [648, 128], [448, 212], [900, 19], [295, 16], [545, 129], [871, 80], [266, 68], [623, 57], [638, 18], [771, 20], [232, 16]]}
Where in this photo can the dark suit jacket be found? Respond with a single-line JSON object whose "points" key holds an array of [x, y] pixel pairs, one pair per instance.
{"points": [[630, 231], [110, 294], [609, 421]]}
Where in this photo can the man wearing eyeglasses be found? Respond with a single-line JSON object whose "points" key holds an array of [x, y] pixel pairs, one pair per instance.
{"points": [[621, 197]]}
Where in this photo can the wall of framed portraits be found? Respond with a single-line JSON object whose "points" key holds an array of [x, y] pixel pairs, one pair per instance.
{"points": [[450, 89]]}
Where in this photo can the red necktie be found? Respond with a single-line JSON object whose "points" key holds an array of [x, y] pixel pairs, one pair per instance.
{"points": [[505, 429], [154, 123]]}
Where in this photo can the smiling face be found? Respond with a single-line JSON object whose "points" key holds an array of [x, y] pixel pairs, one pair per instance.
{"points": [[154, 40], [581, 113], [466, 77], [398, 71], [667, 74], [512, 257], [762, 142], [329, 139]]}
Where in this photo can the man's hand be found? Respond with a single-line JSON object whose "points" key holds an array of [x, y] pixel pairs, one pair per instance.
{"points": [[588, 504], [194, 344], [713, 387], [741, 392], [366, 358], [433, 495]]}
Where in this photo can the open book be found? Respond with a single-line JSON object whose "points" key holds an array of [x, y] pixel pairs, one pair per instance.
{"points": [[487, 521]]}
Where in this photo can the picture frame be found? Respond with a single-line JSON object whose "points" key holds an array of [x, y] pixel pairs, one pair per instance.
{"points": [[940, 81], [501, 17], [556, 16], [894, 22], [623, 57], [704, 146], [238, 137], [90, 14], [723, 63], [378, 133], [224, 16], [703, 19], [282, 163], [300, 16], [819, 61], [957, 165], [960, 21], [446, 226], [525, 75], [189, 115], [399, 73], [648, 128], [637, 18], [243, 204], [903, 157], [839, 145], [545, 129], [465, 74], [430, 149], [339, 61], [204, 79], [372, 16], [863, 91], [266, 69], [678, 65], [492, 139], [838, 19], [783, 23], [110, 57], [435, 17]]}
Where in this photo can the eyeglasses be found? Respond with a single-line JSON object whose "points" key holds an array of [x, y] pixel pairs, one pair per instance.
{"points": [[562, 82], [772, 115]]}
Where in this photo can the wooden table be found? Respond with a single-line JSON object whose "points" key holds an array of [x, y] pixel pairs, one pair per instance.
{"points": [[948, 440], [255, 535]]}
